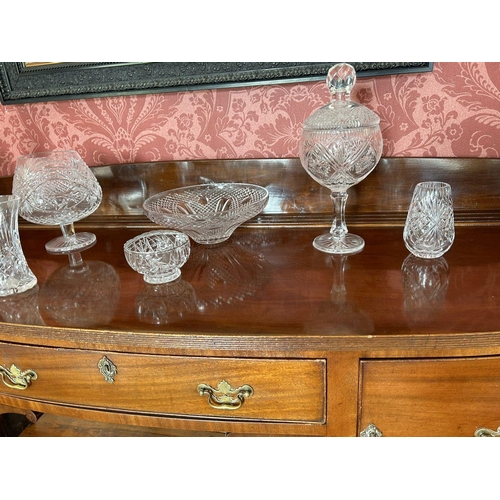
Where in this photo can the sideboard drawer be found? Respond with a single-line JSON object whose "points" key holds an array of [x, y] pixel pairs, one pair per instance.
{"points": [[445, 397], [280, 389]]}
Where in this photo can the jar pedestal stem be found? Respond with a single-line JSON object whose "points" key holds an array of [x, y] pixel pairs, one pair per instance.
{"points": [[339, 240]]}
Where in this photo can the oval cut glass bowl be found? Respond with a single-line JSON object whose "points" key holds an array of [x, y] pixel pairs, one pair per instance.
{"points": [[208, 213], [158, 255]]}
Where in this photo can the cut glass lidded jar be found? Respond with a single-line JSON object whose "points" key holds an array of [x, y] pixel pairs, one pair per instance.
{"points": [[341, 144]]}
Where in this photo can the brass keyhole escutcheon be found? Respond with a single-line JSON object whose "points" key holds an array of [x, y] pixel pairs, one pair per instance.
{"points": [[107, 369]]}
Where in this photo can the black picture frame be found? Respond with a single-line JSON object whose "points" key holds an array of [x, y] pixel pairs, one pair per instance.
{"points": [[28, 82]]}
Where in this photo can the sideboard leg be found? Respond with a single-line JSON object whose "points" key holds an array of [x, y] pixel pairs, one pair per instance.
{"points": [[13, 420]]}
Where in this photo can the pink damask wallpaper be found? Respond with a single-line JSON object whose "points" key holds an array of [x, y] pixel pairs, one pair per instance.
{"points": [[453, 111]]}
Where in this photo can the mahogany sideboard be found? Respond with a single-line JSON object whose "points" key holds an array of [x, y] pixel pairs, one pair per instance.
{"points": [[263, 334]]}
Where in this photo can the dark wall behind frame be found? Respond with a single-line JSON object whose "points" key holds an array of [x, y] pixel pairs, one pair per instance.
{"points": [[20, 83]]}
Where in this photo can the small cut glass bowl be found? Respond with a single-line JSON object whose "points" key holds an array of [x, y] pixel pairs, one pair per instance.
{"points": [[158, 255], [208, 213]]}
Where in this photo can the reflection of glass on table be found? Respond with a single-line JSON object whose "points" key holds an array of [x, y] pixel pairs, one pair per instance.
{"points": [[226, 273], [81, 295], [340, 316], [21, 308], [425, 283], [165, 303]]}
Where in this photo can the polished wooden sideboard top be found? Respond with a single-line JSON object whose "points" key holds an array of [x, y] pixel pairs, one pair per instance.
{"points": [[265, 285], [265, 295]]}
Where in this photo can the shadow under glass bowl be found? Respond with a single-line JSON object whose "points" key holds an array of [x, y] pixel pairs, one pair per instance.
{"points": [[208, 213], [158, 255]]}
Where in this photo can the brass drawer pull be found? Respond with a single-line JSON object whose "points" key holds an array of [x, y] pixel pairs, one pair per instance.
{"points": [[225, 397], [484, 432], [20, 380], [371, 431]]}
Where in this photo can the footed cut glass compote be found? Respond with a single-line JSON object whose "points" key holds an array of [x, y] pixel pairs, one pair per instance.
{"points": [[57, 188], [341, 144]]}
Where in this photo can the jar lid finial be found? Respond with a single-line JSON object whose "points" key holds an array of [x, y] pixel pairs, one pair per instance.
{"points": [[341, 79]]}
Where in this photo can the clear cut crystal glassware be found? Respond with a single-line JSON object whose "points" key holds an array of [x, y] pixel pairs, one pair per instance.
{"points": [[158, 255], [208, 213], [15, 274], [341, 144], [429, 229], [57, 188]]}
